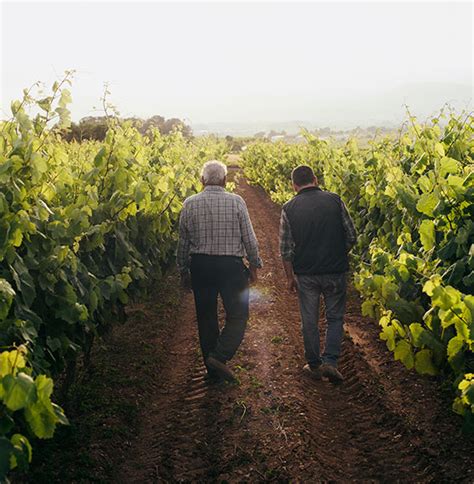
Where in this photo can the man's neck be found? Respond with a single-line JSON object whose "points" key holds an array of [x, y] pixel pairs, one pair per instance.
{"points": [[213, 186]]}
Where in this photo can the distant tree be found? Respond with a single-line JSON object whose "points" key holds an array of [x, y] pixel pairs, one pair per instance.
{"points": [[95, 128], [153, 122], [236, 144], [88, 128], [276, 133]]}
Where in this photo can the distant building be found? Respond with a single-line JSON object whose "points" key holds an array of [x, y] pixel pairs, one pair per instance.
{"points": [[277, 137]]}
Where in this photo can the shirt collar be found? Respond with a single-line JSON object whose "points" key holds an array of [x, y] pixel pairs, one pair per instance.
{"points": [[214, 188], [308, 189]]}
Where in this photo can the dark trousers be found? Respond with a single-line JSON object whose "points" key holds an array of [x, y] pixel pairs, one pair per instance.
{"points": [[225, 275]]}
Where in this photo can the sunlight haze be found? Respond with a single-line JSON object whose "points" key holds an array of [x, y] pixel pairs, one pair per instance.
{"points": [[245, 63]]}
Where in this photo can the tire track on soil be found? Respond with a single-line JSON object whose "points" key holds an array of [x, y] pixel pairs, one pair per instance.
{"points": [[180, 437]]}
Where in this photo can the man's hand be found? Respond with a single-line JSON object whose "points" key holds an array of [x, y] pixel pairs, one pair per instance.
{"points": [[253, 276], [186, 281], [292, 283]]}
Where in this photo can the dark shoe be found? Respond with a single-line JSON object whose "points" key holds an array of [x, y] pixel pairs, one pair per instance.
{"points": [[220, 368], [331, 373], [213, 377], [313, 372]]}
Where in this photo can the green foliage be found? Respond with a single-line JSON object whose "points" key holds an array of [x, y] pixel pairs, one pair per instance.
{"points": [[23, 397], [412, 200], [83, 227], [464, 403]]}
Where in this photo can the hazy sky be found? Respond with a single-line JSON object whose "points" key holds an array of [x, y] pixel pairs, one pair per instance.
{"points": [[241, 61]]}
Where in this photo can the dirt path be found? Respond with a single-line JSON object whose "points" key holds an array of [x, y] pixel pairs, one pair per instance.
{"points": [[383, 424]]}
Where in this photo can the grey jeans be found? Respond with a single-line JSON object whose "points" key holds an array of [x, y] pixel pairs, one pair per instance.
{"points": [[333, 288]]}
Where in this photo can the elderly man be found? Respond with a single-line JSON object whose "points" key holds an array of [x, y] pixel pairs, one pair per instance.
{"points": [[316, 234], [215, 233]]}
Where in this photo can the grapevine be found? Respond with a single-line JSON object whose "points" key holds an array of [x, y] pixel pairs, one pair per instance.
{"points": [[83, 227]]}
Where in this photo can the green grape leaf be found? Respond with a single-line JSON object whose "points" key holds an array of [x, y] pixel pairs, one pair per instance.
{"points": [[388, 335], [65, 98], [100, 159], [44, 388], [469, 393], [22, 453], [403, 352], [6, 298], [45, 104], [448, 165], [16, 238], [427, 234], [10, 362], [42, 419], [455, 181], [162, 185], [406, 311], [417, 331], [445, 297], [20, 391], [15, 107], [425, 184], [427, 203], [459, 407], [424, 363], [60, 416], [439, 149], [455, 345], [40, 164], [461, 323], [430, 285]]}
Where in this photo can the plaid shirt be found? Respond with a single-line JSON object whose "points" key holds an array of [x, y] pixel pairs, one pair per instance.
{"points": [[216, 222], [287, 244]]}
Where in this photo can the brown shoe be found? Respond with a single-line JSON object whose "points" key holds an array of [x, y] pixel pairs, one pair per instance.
{"points": [[313, 372], [332, 373], [220, 368]]}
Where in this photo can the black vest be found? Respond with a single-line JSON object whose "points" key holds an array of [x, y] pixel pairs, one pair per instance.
{"points": [[315, 219]]}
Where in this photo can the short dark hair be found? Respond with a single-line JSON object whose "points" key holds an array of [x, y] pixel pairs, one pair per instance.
{"points": [[302, 175]]}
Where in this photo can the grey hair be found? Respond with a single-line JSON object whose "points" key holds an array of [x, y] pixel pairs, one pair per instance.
{"points": [[213, 172]]}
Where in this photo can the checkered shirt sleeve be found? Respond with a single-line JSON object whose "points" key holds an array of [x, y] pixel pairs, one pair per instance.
{"points": [[182, 256], [248, 236], [287, 244], [349, 229]]}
